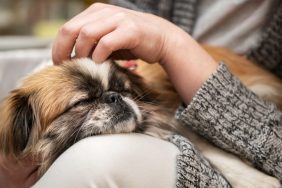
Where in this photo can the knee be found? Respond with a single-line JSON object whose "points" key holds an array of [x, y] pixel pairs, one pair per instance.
{"points": [[132, 160]]}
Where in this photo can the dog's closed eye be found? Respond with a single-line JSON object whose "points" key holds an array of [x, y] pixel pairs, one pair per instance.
{"points": [[83, 102]]}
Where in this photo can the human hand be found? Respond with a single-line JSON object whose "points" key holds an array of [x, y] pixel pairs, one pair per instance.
{"points": [[103, 29], [17, 174]]}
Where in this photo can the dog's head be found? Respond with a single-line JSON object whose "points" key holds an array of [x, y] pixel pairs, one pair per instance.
{"points": [[73, 101]]}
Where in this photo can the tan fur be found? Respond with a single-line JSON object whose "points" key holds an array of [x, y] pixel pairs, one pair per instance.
{"points": [[47, 102]]}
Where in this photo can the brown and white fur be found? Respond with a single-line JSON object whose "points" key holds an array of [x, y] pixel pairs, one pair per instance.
{"points": [[58, 106]]}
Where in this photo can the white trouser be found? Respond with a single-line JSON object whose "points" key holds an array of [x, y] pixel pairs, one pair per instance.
{"points": [[110, 161]]}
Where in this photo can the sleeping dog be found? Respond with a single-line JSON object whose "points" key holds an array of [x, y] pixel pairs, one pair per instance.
{"points": [[59, 105]]}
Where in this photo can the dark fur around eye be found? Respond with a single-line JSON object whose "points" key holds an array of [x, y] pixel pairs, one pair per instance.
{"points": [[126, 93], [116, 83], [137, 86], [79, 103], [85, 82]]}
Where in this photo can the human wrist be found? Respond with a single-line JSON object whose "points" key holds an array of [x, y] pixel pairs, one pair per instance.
{"points": [[187, 64], [174, 39]]}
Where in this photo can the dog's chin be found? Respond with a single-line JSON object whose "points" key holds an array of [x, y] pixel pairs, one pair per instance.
{"points": [[123, 123], [124, 126]]}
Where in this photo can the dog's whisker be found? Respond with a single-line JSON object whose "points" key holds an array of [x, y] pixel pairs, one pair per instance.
{"points": [[77, 133]]}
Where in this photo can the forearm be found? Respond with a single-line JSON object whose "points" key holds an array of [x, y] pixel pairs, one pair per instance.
{"points": [[234, 118]]}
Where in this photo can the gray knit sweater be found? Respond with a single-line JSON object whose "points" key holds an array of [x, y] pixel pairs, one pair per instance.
{"points": [[223, 110]]}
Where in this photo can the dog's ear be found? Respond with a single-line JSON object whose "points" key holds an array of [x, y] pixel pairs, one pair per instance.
{"points": [[17, 121]]}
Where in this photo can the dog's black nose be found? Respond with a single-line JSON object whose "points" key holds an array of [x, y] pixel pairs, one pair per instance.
{"points": [[112, 97]]}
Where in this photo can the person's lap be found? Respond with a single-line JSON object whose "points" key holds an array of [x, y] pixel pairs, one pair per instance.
{"points": [[128, 160]]}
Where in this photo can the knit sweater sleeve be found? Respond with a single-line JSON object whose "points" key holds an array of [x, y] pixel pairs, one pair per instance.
{"points": [[130, 4], [144, 6], [181, 13], [268, 53], [235, 119]]}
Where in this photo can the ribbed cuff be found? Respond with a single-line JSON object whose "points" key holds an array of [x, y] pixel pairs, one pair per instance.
{"points": [[193, 170], [234, 118]]}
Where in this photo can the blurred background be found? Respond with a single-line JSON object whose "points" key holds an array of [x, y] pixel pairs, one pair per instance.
{"points": [[34, 23]]}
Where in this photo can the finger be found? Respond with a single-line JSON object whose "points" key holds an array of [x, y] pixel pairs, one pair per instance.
{"points": [[65, 40], [119, 39], [91, 33]]}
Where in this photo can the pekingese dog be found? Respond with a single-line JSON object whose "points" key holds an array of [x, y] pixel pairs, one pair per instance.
{"points": [[58, 106]]}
